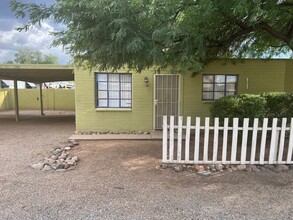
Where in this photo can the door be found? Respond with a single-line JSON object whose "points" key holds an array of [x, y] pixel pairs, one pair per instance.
{"points": [[166, 97]]}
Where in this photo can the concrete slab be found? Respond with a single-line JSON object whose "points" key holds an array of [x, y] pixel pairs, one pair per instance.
{"points": [[111, 137], [154, 135]]}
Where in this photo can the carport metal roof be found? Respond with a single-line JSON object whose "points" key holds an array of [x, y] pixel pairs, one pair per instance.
{"points": [[36, 73]]}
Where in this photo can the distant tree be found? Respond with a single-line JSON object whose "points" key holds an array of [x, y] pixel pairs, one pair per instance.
{"points": [[50, 59], [185, 34], [28, 56]]}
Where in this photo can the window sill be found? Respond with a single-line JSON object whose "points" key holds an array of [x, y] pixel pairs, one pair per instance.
{"points": [[113, 109], [207, 101]]}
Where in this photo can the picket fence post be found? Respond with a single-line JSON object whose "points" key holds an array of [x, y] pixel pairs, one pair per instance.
{"points": [[262, 151]]}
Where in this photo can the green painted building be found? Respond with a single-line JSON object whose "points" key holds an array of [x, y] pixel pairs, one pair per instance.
{"points": [[129, 101]]}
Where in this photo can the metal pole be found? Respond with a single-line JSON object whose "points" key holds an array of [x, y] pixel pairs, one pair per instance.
{"points": [[16, 101], [41, 99]]}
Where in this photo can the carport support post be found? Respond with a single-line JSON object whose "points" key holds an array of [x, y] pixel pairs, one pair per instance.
{"points": [[16, 101], [41, 99]]}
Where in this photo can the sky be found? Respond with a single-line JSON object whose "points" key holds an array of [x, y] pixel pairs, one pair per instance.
{"points": [[37, 38]]}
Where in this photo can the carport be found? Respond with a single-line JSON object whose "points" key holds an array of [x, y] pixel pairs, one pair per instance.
{"points": [[35, 73]]}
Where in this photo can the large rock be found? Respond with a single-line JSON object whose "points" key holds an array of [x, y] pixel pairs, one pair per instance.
{"points": [[230, 170], [199, 167], [62, 156], [57, 151], [204, 173], [178, 168], [38, 166], [234, 168], [269, 166], [51, 161], [66, 166], [75, 159], [219, 166], [54, 157], [280, 168], [47, 168], [241, 167]]}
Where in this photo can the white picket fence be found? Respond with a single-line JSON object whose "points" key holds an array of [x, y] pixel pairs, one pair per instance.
{"points": [[259, 144]]}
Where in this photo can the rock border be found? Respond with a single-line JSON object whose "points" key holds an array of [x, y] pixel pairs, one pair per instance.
{"points": [[59, 160], [210, 169]]}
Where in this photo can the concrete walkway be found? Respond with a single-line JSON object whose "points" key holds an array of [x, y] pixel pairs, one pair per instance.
{"points": [[154, 135]]}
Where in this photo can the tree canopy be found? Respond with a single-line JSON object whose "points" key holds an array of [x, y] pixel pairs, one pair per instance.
{"points": [[183, 34], [28, 56]]}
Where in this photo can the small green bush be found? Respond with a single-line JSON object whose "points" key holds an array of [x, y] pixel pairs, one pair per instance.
{"points": [[240, 106], [266, 105], [278, 105]]}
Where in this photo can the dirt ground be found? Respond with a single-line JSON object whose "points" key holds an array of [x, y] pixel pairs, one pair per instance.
{"points": [[119, 180]]}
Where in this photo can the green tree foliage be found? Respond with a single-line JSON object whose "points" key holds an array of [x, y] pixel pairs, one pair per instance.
{"points": [[27, 56], [184, 34]]}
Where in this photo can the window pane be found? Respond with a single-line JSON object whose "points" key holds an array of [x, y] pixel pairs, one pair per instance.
{"points": [[208, 78], [102, 94], [114, 94], [126, 103], [230, 93], [219, 87], [231, 87], [102, 86], [102, 103], [113, 77], [126, 86], [207, 95], [219, 95], [125, 77], [113, 85], [102, 77], [126, 95], [208, 87], [113, 90], [114, 103], [231, 79], [219, 78]]}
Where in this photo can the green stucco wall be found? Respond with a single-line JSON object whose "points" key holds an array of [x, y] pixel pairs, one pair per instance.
{"points": [[140, 117], [289, 77], [53, 99], [254, 76]]}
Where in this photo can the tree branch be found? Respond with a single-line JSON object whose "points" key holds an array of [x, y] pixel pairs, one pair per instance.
{"points": [[270, 30]]}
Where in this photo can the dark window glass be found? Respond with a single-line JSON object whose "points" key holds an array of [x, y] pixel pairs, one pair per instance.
{"points": [[114, 90], [217, 86]]}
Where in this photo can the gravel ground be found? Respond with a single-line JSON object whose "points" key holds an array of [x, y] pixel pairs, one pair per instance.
{"points": [[119, 180]]}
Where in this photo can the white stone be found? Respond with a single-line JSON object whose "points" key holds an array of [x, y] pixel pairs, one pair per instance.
{"points": [[46, 168], [241, 167], [218, 166], [38, 166], [75, 158]]}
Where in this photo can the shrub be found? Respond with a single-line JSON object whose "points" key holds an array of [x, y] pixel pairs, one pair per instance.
{"points": [[240, 106], [278, 105], [266, 105]]}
